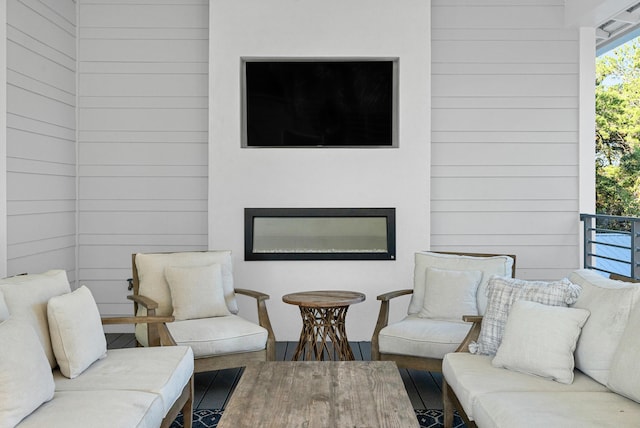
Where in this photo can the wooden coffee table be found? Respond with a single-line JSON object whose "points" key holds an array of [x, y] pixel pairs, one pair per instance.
{"points": [[323, 321], [319, 394]]}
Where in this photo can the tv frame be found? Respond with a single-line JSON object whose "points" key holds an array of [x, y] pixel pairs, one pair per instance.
{"points": [[251, 213], [394, 106]]}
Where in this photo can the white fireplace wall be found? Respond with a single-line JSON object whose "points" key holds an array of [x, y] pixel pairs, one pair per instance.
{"points": [[320, 178]]}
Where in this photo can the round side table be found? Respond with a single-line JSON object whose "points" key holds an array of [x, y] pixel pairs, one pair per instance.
{"points": [[323, 320]]}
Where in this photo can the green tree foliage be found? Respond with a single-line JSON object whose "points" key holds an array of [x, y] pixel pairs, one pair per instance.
{"points": [[618, 131]]}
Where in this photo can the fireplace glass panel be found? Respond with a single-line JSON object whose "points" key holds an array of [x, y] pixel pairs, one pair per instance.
{"points": [[320, 234]]}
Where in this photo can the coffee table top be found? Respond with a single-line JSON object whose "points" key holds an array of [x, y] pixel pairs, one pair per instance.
{"points": [[319, 394], [324, 298]]}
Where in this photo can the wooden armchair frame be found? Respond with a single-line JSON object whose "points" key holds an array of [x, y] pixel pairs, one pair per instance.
{"points": [[218, 362], [410, 361], [184, 403]]}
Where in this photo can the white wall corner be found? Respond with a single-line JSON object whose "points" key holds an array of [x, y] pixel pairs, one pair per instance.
{"points": [[3, 140], [587, 123]]}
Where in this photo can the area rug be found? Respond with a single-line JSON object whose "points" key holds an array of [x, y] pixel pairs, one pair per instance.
{"points": [[210, 418]]}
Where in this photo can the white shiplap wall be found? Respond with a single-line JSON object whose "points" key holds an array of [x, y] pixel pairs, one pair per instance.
{"points": [[505, 132], [41, 126], [142, 137]]}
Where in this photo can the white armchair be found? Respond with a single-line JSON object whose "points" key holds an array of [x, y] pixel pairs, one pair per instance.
{"points": [[447, 288], [197, 289]]}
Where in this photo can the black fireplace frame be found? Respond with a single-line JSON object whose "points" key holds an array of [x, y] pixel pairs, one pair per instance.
{"points": [[250, 214]]}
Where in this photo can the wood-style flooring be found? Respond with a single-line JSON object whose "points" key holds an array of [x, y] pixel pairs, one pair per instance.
{"points": [[213, 389]]}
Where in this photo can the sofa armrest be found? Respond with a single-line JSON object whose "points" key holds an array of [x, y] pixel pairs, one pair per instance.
{"points": [[263, 319], [158, 323], [383, 318], [473, 334]]}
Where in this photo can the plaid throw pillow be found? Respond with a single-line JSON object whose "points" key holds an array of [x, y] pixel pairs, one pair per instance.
{"points": [[502, 292]]}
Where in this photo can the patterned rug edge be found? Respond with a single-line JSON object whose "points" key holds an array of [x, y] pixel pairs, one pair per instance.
{"points": [[209, 418]]}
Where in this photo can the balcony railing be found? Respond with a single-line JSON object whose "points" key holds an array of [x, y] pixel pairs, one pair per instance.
{"points": [[612, 244]]}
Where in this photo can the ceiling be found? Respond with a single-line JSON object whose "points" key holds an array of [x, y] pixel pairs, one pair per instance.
{"points": [[618, 29]]}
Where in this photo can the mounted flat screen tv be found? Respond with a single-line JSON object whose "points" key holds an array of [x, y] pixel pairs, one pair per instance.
{"points": [[319, 102]]}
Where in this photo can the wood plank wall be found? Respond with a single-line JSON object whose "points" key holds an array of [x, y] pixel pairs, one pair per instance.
{"points": [[505, 132], [41, 127], [142, 137]]}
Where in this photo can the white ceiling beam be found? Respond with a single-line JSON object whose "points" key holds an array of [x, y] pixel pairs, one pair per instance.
{"points": [[627, 17]]}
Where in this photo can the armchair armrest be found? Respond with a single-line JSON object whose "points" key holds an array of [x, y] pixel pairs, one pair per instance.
{"points": [[157, 331], [383, 318], [146, 302], [393, 294], [165, 338], [473, 334], [263, 319]]}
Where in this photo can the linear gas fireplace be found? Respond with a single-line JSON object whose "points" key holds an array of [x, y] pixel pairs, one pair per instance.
{"points": [[319, 234]]}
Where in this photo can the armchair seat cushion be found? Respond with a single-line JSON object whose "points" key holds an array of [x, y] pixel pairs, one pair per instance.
{"points": [[159, 370], [421, 337], [471, 376], [556, 409], [98, 409], [219, 336]]}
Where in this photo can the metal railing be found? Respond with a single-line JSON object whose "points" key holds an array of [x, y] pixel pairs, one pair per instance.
{"points": [[612, 244]]}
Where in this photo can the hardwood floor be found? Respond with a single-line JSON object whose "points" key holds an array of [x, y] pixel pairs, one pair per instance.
{"points": [[213, 389]]}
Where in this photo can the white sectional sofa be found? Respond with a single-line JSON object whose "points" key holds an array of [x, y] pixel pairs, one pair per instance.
{"points": [[602, 390], [55, 370]]}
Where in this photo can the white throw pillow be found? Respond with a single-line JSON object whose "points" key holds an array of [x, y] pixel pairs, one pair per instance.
{"points": [[26, 380], [502, 292], [610, 304], [450, 294], [624, 377], [197, 292], [26, 297], [76, 331], [493, 265], [540, 340]]}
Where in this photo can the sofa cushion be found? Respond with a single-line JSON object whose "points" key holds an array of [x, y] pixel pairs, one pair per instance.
{"points": [[450, 294], [495, 265], [624, 377], [528, 347], [422, 337], [153, 283], [471, 375], [4, 310], [159, 370], [555, 409], [25, 375], [217, 336], [76, 331], [26, 297], [196, 291], [98, 409], [610, 304], [502, 292]]}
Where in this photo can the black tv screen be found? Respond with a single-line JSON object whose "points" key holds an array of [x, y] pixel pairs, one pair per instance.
{"points": [[319, 103]]}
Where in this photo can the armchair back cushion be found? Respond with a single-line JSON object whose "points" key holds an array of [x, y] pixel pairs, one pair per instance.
{"points": [[153, 282], [26, 297], [494, 265], [76, 331], [26, 380]]}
